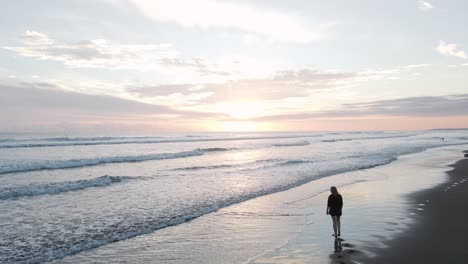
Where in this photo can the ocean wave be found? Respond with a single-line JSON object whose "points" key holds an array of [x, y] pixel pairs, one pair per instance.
{"points": [[196, 136], [133, 227], [278, 163], [59, 187], [270, 160], [338, 139], [92, 138], [222, 166], [291, 144], [216, 149], [76, 163], [67, 143], [60, 142], [72, 139], [364, 138], [274, 163], [294, 162]]}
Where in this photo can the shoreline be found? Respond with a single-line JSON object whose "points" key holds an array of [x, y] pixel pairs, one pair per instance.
{"points": [[291, 226], [438, 234], [376, 212]]}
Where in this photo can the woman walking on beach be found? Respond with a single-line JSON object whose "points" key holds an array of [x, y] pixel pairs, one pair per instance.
{"points": [[334, 206]]}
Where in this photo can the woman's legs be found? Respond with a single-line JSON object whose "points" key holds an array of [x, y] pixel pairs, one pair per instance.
{"points": [[335, 224], [338, 225]]}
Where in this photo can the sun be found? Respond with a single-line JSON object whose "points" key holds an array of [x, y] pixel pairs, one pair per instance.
{"points": [[242, 109], [241, 114], [240, 126]]}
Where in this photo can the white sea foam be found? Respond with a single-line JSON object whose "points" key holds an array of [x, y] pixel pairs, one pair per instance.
{"points": [[135, 226], [58, 187], [76, 163], [271, 163], [62, 142]]}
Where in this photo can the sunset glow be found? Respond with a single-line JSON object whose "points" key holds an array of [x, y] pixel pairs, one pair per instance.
{"points": [[237, 126], [242, 110], [232, 65]]}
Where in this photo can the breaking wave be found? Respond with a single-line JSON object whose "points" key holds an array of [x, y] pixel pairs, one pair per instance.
{"points": [[77, 163], [58, 187], [63, 142], [364, 138], [290, 144]]}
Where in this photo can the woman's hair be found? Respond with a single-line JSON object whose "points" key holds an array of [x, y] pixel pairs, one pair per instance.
{"points": [[334, 190]]}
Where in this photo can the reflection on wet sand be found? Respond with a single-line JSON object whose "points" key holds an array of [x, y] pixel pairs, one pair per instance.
{"points": [[346, 255], [375, 212], [338, 247]]}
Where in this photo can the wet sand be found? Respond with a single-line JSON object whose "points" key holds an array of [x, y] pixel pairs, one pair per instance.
{"points": [[439, 233], [376, 212]]}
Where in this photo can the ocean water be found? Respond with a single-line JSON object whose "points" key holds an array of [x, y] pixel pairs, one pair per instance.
{"points": [[61, 196]]}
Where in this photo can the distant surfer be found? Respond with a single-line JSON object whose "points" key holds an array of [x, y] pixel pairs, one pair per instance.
{"points": [[334, 207]]}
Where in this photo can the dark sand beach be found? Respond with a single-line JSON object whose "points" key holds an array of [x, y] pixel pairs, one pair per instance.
{"points": [[439, 234]]}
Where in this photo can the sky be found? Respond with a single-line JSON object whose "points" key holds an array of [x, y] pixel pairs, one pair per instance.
{"points": [[148, 66]]}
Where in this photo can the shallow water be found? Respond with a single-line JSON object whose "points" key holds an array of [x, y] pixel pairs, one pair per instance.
{"points": [[127, 215], [291, 226]]}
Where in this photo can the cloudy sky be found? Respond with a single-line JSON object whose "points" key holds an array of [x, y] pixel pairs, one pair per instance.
{"points": [[205, 65]]}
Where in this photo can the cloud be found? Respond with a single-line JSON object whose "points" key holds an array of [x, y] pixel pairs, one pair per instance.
{"points": [[97, 53], [202, 65], [206, 14], [411, 66], [101, 53], [416, 106], [290, 91], [48, 96], [36, 38], [160, 58], [424, 106], [425, 6], [283, 84], [450, 50], [457, 65], [54, 107]]}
